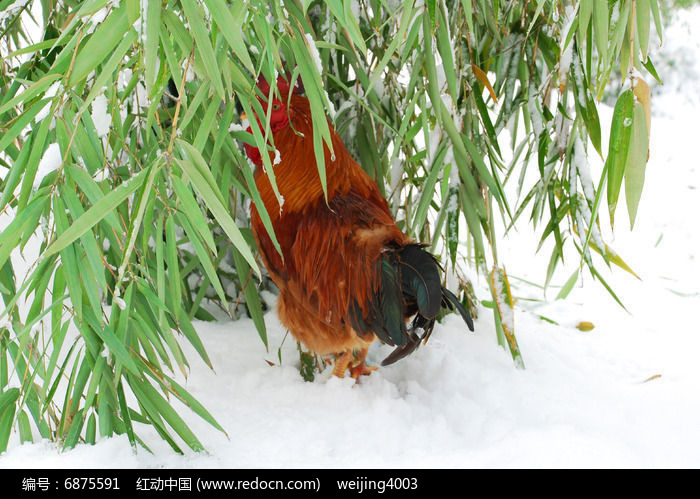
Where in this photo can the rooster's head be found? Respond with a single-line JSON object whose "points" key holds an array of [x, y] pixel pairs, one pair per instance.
{"points": [[279, 114]]}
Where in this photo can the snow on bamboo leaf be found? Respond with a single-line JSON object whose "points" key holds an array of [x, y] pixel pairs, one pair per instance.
{"points": [[503, 311], [453, 220]]}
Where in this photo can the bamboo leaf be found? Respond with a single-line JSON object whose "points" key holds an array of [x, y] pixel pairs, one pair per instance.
{"points": [[568, 286], [643, 25], [500, 291], [619, 145], [636, 161], [206, 50], [600, 23], [100, 44], [231, 29], [654, 4], [152, 44], [214, 204], [96, 213], [32, 91]]}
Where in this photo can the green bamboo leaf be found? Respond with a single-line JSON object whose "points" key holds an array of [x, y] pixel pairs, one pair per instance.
{"points": [[600, 23], [612, 293], [8, 398], [100, 44], [21, 123], [593, 124], [37, 150], [193, 212], [643, 9], [214, 203], [7, 417], [206, 126], [467, 6], [486, 121], [657, 18], [73, 434], [171, 258], [317, 103], [350, 24], [191, 334], [152, 44], [428, 191], [568, 286], [89, 187], [445, 49], [136, 220], [649, 66], [32, 91], [186, 398], [179, 32], [19, 169], [115, 345], [585, 10], [25, 429], [70, 267], [230, 27], [91, 429], [251, 296], [204, 257], [636, 162], [158, 407], [619, 144], [11, 235], [193, 105], [408, 14], [96, 213], [34, 47], [124, 411], [203, 44], [105, 418], [95, 378]]}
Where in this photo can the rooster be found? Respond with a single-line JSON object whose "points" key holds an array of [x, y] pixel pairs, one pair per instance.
{"points": [[347, 274]]}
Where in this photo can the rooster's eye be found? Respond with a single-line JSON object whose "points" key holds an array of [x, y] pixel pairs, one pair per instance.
{"points": [[275, 107]]}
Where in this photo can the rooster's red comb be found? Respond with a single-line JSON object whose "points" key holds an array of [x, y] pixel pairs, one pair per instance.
{"points": [[282, 85]]}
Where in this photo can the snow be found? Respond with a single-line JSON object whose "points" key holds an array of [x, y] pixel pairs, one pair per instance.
{"points": [[313, 49], [49, 162], [278, 157], [120, 303], [566, 50], [12, 10], [100, 116], [624, 394]]}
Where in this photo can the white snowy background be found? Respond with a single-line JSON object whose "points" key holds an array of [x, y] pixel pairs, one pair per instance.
{"points": [[625, 394]]}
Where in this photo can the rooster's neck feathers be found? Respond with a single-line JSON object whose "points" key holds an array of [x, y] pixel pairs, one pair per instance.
{"points": [[295, 170]]}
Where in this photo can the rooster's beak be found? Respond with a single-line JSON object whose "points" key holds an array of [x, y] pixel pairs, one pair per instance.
{"points": [[243, 116]]}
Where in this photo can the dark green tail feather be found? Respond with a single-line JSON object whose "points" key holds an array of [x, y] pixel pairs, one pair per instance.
{"points": [[420, 279], [410, 286]]}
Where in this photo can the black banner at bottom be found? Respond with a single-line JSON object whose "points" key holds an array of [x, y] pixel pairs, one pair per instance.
{"points": [[303, 482]]}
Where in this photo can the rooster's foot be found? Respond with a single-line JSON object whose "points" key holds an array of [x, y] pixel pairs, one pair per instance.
{"points": [[342, 362], [362, 369]]}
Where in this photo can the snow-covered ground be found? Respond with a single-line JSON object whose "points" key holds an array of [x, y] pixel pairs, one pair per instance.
{"points": [[625, 394]]}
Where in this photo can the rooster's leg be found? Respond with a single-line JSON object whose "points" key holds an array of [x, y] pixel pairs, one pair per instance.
{"points": [[358, 367], [342, 362]]}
